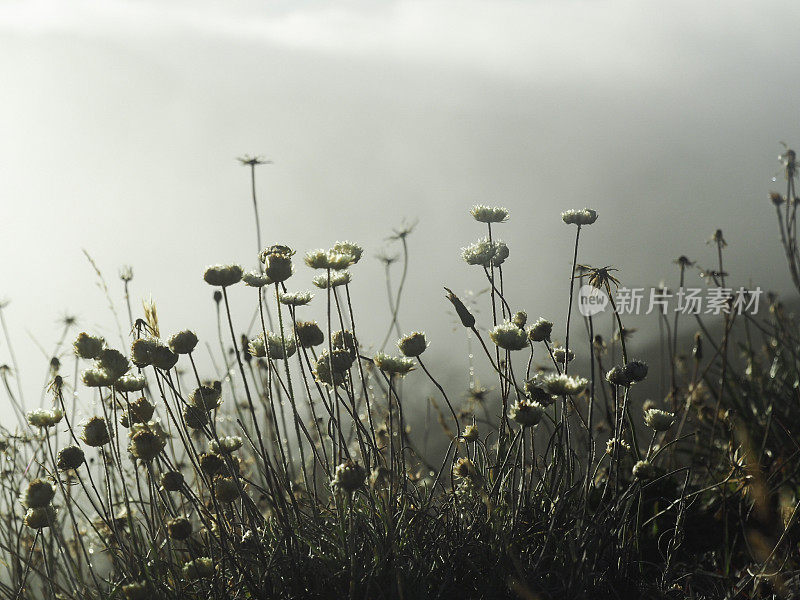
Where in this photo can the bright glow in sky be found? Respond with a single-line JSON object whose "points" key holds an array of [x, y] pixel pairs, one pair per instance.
{"points": [[121, 122]]}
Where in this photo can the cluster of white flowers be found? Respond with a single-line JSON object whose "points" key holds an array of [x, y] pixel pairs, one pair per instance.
{"points": [[587, 216], [485, 253]]}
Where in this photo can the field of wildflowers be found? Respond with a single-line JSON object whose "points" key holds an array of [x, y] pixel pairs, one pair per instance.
{"points": [[298, 475]]}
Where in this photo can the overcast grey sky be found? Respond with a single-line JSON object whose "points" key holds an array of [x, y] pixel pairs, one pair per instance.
{"points": [[121, 121]]}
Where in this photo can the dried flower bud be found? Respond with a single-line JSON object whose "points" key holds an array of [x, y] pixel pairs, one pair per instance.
{"points": [[130, 383], [45, 418], [485, 253], [520, 318], [96, 432], [172, 481], [195, 417], [183, 342], [527, 413], [467, 320], [211, 463], [38, 494], [163, 358], [393, 365], [636, 371], [145, 445], [564, 385], [39, 518], [142, 351], [278, 266], [70, 457], [225, 489], [114, 362], [205, 397], [256, 279], [412, 344], [658, 420], [470, 433]]}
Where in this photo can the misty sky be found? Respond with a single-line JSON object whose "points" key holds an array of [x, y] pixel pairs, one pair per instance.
{"points": [[120, 123]]}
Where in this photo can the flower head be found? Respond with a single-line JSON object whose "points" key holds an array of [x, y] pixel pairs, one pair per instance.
{"points": [[486, 214], [146, 445], [540, 331], [658, 420], [485, 253], [39, 518], [309, 333], [508, 336], [45, 418], [412, 344], [349, 248], [564, 385], [38, 494], [335, 280], [96, 432], [296, 298], [348, 477], [130, 383], [274, 346], [526, 412], [223, 275], [587, 216], [88, 346], [255, 279], [183, 342], [70, 457], [393, 365]]}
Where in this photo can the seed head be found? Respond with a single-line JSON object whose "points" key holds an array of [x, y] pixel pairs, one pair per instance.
{"points": [[564, 385], [643, 470], [486, 214], [636, 371], [540, 331], [413, 344], [618, 376], [336, 279], [225, 489], [172, 481], [223, 275], [39, 518], [70, 457], [211, 463], [199, 568], [114, 362], [179, 528], [205, 397], [145, 445], [520, 318], [348, 477], [470, 433], [534, 387], [38, 494], [508, 336], [485, 253], [331, 369], [141, 410], [96, 432], [296, 298], [226, 445], [393, 365], [278, 265], [309, 334], [561, 353], [526, 412], [274, 347], [353, 250], [344, 340], [142, 351], [130, 383], [44, 418], [183, 342], [658, 420], [163, 358], [195, 417], [579, 217], [256, 279], [88, 346]]}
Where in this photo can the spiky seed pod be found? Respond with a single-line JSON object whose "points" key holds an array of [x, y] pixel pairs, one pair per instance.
{"points": [[130, 383], [564, 385], [256, 279], [199, 568], [195, 417], [618, 376], [644, 470], [658, 420], [142, 352], [587, 216], [412, 344], [96, 377], [225, 489], [88, 346], [466, 317], [278, 266], [183, 342], [163, 358], [540, 331], [39, 518], [137, 590], [114, 362], [526, 412], [636, 371], [223, 275], [508, 336], [38, 494], [205, 397], [172, 481], [309, 334], [211, 463], [179, 528], [96, 432], [348, 477], [45, 418], [488, 214], [145, 445], [393, 365], [70, 457], [470, 433]]}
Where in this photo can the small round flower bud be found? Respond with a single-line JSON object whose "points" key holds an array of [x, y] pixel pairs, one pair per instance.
{"points": [[658, 420], [96, 433], [225, 489], [276, 347], [526, 413], [330, 371], [179, 528], [172, 481], [88, 346], [39, 518], [183, 342], [145, 445], [141, 411], [393, 365], [579, 217], [644, 470], [508, 336], [223, 275], [70, 457], [38, 494], [348, 477], [199, 568], [540, 331], [412, 344], [486, 214], [309, 334]]}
